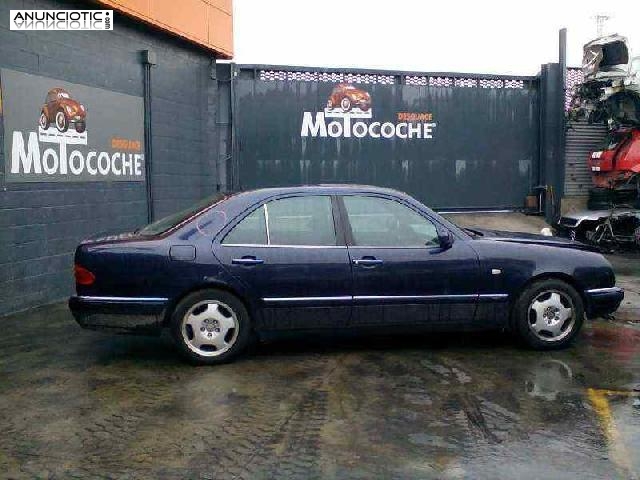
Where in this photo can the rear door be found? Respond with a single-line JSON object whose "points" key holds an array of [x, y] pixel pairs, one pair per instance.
{"points": [[290, 254], [402, 276]]}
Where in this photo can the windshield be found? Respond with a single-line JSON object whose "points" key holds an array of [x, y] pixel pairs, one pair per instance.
{"points": [[167, 223]]}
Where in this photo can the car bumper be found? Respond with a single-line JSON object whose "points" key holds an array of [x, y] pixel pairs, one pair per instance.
{"points": [[120, 314], [603, 301]]}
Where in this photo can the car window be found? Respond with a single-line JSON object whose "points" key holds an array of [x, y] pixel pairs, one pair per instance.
{"points": [[167, 223], [252, 230], [301, 221], [380, 222]]}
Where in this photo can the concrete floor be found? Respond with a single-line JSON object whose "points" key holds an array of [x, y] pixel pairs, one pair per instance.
{"points": [[80, 404]]}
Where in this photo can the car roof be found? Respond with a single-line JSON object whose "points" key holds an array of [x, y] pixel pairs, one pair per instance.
{"points": [[327, 188]]}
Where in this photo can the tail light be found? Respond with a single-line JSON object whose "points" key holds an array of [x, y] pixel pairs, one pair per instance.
{"points": [[83, 276]]}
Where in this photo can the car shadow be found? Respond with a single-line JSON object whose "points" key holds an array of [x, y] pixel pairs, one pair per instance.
{"points": [[331, 342], [161, 350]]}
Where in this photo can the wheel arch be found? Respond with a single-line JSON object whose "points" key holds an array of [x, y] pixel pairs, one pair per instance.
{"points": [[565, 277], [173, 303]]}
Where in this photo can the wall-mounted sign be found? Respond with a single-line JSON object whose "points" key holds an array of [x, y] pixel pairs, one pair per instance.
{"points": [[56, 131], [349, 112]]}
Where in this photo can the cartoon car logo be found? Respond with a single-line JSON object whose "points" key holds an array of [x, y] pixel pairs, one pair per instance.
{"points": [[62, 110], [347, 97]]}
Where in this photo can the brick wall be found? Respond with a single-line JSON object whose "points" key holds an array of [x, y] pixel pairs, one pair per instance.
{"points": [[40, 224]]}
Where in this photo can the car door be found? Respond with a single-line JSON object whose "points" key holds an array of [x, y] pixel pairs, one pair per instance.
{"points": [[291, 255], [402, 274]]}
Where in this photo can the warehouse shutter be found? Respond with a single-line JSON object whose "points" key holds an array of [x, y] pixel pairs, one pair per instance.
{"points": [[581, 139]]}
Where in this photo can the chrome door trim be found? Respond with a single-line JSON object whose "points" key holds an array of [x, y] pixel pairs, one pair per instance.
{"points": [[256, 245], [472, 296], [344, 298], [266, 222], [415, 297]]}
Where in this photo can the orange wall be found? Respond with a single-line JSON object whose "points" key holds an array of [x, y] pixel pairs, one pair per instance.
{"points": [[205, 22]]}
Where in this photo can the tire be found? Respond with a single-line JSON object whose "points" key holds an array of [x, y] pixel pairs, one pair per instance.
{"points": [[225, 329], [43, 122], [538, 331], [62, 124], [80, 127], [345, 104]]}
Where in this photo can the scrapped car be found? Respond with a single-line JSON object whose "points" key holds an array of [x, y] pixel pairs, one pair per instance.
{"points": [[347, 97], [613, 228], [610, 91], [63, 111], [606, 58], [333, 257]]}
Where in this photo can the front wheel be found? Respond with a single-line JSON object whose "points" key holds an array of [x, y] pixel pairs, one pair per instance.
{"points": [[345, 104], [210, 326], [62, 124], [548, 314]]}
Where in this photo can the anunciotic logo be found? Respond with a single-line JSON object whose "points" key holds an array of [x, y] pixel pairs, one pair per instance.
{"points": [[61, 20]]}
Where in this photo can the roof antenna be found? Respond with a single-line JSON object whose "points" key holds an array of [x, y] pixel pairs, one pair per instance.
{"points": [[600, 21]]}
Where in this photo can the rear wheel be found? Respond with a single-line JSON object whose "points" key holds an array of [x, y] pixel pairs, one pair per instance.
{"points": [[548, 314], [43, 121], [210, 326]]}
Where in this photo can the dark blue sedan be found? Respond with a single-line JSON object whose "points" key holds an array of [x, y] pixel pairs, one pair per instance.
{"points": [[333, 257]]}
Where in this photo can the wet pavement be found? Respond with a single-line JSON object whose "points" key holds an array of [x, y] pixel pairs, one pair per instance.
{"points": [[80, 404]]}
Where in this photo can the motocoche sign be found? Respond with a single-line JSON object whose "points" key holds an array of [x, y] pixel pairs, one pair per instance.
{"points": [[57, 131]]}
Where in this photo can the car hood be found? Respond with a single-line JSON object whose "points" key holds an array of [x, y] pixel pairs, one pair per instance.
{"points": [[531, 238]]}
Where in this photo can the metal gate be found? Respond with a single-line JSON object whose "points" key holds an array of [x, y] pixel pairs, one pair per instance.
{"points": [[451, 140], [581, 139]]}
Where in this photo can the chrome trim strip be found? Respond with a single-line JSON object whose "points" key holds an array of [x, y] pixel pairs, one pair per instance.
{"points": [[413, 297], [605, 290], [255, 245], [123, 299], [266, 222], [494, 296], [307, 299]]}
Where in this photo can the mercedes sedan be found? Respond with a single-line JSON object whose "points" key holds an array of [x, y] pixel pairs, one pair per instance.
{"points": [[338, 257]]}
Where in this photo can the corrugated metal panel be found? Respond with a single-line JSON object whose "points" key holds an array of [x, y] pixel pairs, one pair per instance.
{"points": [[581, 139], [473, 141]]}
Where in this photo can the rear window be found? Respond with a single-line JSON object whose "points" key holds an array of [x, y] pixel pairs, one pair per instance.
{"points": [[171, 221]]}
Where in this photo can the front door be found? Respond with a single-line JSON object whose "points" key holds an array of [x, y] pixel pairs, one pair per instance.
{"points": [[287, 253], [402, 276]]}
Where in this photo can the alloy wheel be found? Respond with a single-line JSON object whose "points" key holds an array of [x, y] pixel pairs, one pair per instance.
{"points": [[551, 316], [209, 328]]}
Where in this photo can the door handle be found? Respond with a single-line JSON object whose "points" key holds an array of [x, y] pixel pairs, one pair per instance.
{"points": [[247, 261], [368, 261]]}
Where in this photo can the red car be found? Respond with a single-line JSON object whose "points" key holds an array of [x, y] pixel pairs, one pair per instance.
{"points": [[347, 96], [619, 160], [61, 109]]}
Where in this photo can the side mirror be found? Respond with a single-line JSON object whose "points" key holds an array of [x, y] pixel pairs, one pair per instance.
{"points": [[446, 239]]}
